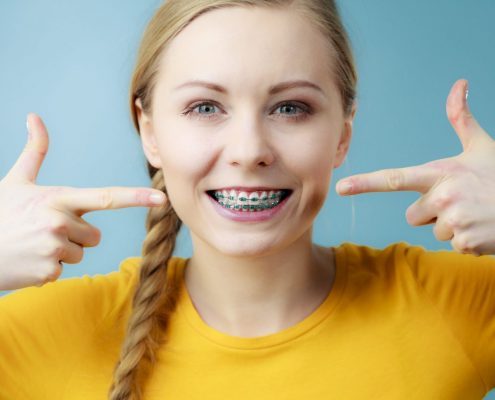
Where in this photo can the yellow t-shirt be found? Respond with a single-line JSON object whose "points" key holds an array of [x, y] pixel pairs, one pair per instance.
{"points": [[399, 323]]}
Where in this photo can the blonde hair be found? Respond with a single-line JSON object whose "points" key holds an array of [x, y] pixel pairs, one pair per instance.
{"points": [[155, 296]]}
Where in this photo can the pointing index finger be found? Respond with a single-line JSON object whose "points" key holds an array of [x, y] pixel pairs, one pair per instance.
{"points": [[418, 178], [83, 200]]}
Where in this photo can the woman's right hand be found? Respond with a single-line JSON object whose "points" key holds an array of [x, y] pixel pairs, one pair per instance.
{"points": [[41, 226]]}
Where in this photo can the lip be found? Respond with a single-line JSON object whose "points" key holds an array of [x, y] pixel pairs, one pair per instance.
{"points": [[258, 216]]}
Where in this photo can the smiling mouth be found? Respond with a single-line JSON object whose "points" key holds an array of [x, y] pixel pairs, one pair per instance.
{"points": [[249, 201]]}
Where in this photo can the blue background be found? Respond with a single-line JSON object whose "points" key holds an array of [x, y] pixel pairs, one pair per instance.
{"points": [[71, 63]]}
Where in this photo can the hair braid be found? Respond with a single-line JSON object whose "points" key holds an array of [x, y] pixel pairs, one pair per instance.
{"points": [[153, 302], [155, 297]]}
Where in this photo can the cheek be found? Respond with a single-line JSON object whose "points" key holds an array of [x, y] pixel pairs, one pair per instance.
{"points": [[312, 157], [183, 154], [313, 164], [184, 164], [315, 190]]}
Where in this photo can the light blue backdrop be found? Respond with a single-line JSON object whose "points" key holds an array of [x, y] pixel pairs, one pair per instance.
{"points": [[70, 62]]}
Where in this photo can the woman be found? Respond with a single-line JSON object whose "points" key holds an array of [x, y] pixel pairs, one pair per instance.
{"points": [[242, 135]]}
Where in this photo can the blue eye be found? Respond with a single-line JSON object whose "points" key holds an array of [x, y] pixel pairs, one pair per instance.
{"points": [[205, 106], [306, 111], [208, 113]]}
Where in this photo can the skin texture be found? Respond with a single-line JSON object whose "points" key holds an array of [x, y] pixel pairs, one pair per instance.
{"points": [[457, 193], [249, 279], [41, 227]]}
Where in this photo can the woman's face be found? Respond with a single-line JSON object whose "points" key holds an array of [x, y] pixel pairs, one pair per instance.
{"points": [[246, 134]]}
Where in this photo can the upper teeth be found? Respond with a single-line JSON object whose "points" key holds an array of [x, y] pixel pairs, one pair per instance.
{"points": [[248, 201], [251, 197]]}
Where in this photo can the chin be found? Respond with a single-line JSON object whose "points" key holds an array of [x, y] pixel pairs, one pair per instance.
{"points": [[243, 247]]}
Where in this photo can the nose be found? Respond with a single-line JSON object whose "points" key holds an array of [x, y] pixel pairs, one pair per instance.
{"points": [[249, 143]]}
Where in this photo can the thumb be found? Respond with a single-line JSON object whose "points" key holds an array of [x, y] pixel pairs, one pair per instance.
{"points": [[29, 162], [467, 128]]}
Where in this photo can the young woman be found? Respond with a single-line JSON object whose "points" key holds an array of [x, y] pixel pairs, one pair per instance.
{"points": [[242, 135]]}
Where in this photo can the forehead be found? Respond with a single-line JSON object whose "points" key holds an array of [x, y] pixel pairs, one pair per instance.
{"points": [[246, 48]]}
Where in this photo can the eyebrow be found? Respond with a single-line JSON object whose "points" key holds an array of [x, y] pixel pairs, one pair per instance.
{"points": [[279, 87]]}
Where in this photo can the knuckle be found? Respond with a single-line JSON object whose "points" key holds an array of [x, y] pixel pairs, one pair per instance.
{"points": [[29, 149], [79, 255], [56, 190], [463, 243], [56, 272], [57, 224], [75, 255], [442, 201], [442, 231], [106, 199], [457, 219], [52, 192], [450, 223], [395, 179], [41, 199], [446, 166], [50, 273], [58, 252], [46, 197]]}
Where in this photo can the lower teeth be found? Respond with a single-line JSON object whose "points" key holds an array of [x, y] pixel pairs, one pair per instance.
{"points": [[249, 208], [263, 203]]}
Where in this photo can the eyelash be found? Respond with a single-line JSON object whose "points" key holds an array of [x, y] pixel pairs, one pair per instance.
{"points": [[306, 110]]}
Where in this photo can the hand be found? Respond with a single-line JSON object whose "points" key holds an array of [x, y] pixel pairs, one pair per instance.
{"points": [[458, 193], [41, 227]]}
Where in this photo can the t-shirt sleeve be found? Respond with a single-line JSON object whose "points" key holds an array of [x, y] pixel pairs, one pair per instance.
{"points": [[43, 329], [462, 287]]}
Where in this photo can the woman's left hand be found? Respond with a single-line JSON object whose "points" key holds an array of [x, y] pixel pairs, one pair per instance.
{"points": [[458, 193]]}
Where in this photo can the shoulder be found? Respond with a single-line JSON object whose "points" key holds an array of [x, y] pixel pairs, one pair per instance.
{"points": [[42, 328], [414, 256], [362, 251], [377, 261], [460, 289], [88, 297], [456, 283], [85, 301], [429, 268]]}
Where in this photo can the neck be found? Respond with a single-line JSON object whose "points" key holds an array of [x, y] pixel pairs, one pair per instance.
{"points": [[256, 296]]}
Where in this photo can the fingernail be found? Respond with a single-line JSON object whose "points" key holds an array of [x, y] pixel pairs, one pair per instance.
{"points": [[157, 198], [345, 187], [30, 136], [466, 94]]}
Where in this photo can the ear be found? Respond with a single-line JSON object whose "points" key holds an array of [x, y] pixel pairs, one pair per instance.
{"points": [[345, 138], [148, 138]]}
